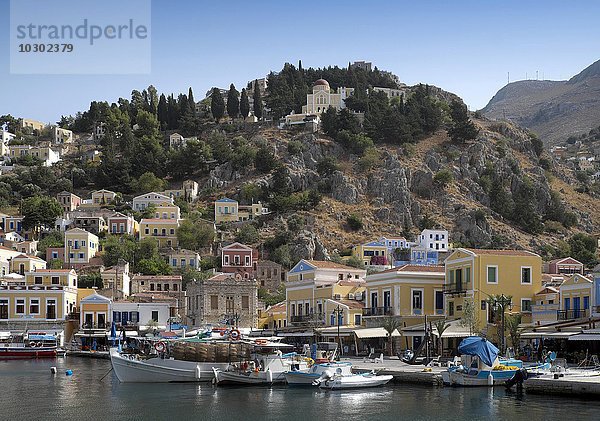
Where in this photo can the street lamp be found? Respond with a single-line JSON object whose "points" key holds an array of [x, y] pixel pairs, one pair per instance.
{"points": [[501, 302], [339, 312]]}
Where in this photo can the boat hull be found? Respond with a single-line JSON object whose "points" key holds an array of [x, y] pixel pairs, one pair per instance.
{"points": [[156, 370], [356, 381], [457, 378], [253, 378], [307, 377], [12, 353]]}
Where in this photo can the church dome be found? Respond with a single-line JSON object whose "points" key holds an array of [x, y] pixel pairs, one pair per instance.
{"points": [[321, 82]]}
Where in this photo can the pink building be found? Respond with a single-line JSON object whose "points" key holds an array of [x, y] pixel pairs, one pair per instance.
{"points": [[565, 265], [119, 223], [239, 259]]}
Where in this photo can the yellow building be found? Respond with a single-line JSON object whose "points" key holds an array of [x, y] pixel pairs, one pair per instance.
{"points": [[23, 263], [274, 317], [94, 311], [473, 276], [80, 246], [546, 305], [314, 289], [576, 295], [32, 124], [229, 210], [46, 295], [322, 97], [374, 253], [167, 211], [408, 292], [226, 210], [163, 230], [103, 197]]}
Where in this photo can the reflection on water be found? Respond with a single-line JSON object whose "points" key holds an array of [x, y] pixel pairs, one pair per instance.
{"points": [[30, 391]]}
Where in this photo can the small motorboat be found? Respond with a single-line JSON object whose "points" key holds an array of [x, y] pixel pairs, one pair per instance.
{"points": [[339, 380], [29, 345], [308, 376]]}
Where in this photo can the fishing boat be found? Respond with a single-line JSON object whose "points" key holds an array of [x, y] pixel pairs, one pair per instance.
{"points": [[266, 366], [481, 365], [28, 345], [308, 376], [339, 380], [185, 360]]}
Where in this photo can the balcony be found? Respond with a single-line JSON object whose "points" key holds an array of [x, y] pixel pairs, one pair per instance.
{"points": [[572, 314], [377, 311], [455, 289], [101, 326]]}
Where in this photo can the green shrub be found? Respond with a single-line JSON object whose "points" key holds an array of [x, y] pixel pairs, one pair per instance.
{"points": [[355, 222], [443, 178]]}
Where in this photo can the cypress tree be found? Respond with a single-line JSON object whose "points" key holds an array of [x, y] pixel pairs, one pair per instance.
{"points": [[233, 102], [244, 104], [163, 112], [258, 108], [217, 105], [191, 101]]}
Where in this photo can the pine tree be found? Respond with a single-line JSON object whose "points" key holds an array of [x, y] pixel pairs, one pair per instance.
{"points": [[233, 102], [258, 108], [462, 128], [244, 104], [217, 105]]}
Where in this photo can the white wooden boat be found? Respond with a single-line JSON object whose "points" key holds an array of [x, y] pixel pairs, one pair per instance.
{"points": [[353, 381], [132, 368], [308, 376], [261, 369]]}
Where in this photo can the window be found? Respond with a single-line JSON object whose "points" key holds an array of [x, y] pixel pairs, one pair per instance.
{"points": [[159, 287], [55, 280], [417, 301], [20, 306], [525, 304], [229, 304], [81, 255], [34, 306], [166, 287], [55, 255], [492, 274], [151, 287], [439, 302], [226, 259], [247, 260], [450, 308], [525, 275], [387, 299], [50, 309], [4, 308], [37, 280], [340, 276], [175, 287], [146, 231], [245, 302], [483, 305], [357, 319], [155, 315], [214, 302], [293, 310], [373, 300], [82, 243], [586, 302]]}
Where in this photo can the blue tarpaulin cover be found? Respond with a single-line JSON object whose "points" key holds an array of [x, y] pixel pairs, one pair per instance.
{"points": [[484, 349]]}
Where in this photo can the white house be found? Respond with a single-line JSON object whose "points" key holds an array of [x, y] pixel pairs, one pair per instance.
{"points": [[431, 239], [62, 136], [127, 312], [142, 201], [176, 141]]}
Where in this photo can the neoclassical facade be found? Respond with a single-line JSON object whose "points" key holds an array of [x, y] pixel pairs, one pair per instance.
{"points": [[322, 98]]}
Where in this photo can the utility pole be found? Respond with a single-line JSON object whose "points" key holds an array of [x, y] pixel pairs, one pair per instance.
{"points": [[339, 312]]}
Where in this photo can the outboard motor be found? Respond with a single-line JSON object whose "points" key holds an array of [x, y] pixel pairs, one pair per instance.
{"points": [[327, 374], [518, 378]]}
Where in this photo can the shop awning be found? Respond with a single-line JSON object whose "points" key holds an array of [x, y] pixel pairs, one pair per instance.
{"points": [[374, 332], [585, 337], [4, 335], [92, 335], [296, 334], [549, 335], [453, 330]]}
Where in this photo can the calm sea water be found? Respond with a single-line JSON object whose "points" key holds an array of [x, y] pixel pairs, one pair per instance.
{"points": [[29, 391]]}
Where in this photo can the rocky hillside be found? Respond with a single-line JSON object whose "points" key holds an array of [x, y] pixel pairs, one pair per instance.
{"points": [[554, 110], [471, 189]]}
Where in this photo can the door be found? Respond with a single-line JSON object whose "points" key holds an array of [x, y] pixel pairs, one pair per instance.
{"points": [[51, 309], [88, 320], [387, 301], [124, 318], [576, 306], [101, 321]]}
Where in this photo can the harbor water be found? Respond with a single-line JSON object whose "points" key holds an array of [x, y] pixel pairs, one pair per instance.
{"points": [[30, 391]]}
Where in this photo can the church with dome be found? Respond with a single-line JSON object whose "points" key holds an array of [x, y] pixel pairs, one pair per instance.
{"points": [[322, 98]]}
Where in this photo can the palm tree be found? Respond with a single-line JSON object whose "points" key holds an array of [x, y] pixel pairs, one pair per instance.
{"points": [[390, 324], [441, 325], [514, 331]]}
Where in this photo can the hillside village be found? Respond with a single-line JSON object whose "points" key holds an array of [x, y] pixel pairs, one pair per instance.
{"points": [[322, 219]]}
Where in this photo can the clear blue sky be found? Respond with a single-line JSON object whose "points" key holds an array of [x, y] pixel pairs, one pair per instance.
{"points": [[466, 47]]}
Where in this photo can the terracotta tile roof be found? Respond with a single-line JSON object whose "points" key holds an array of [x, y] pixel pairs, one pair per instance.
{"points": [[158, 220], [350, 303], [327, 264], [52, 270], [154, 277], [502, 252], [414, 268], [351, 283], [568, 260]]}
